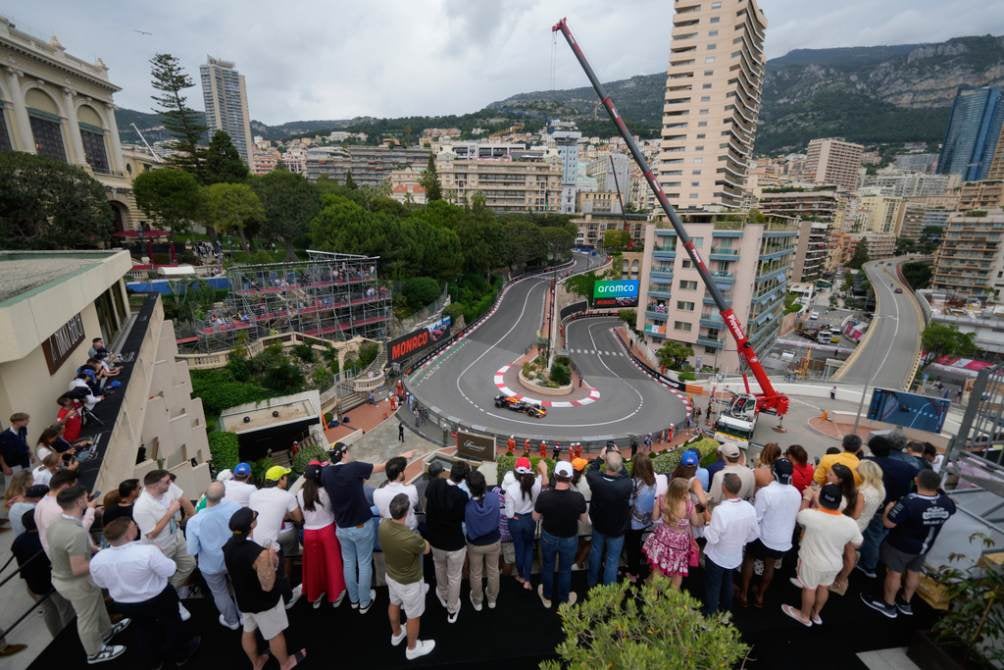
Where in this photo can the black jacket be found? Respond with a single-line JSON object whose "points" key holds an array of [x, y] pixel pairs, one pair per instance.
{"points": [[444, 514], [610, 505]]}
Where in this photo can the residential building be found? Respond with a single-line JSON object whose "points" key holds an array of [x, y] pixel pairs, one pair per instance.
{"points": [[631, 262], [918, 216], [986, 194], [295, 160], [57, 105], [591, 227], [265, 161], [984, 321], [833, 161], [818, 203], [611, 172], [521, 181], [225, 94], [600, 202], [811, 251], [925, 163], [819, 212], [370, 166], [974, 128], [713, 87], [52, 303], [878, 213], [843, 244], [566, 139], [406, 186], [880, 245], [970, 260], [750, 263], [910, 184]]}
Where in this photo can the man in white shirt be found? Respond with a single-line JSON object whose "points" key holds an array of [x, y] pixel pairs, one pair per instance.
{"points": [[276, 508], [136, 576], [733, 464], [395, 484], [733, 526], [155, 513], [240, 488], [777, 505]]}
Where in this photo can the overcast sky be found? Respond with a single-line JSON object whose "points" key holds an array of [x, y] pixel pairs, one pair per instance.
{"points": [[334, 59]]}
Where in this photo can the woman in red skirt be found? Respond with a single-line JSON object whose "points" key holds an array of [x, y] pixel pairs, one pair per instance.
{"points": [[322, 555]]}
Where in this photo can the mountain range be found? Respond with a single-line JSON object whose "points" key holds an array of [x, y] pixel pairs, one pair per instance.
{"points": [[880, 94]]}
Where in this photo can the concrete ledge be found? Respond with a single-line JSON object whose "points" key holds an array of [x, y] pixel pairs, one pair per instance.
{"points": [[545, 390]]}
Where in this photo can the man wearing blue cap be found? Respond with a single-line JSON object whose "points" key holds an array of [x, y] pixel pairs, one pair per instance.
{"points": [[240, 488]]}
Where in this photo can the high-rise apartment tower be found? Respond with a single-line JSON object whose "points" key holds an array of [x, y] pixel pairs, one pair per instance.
{"points": [[226, 99], [713, 87]]}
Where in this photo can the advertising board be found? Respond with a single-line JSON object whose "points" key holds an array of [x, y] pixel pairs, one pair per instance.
{"points": [[615, 293], [475, 447], [416, 341], [909, 410]]}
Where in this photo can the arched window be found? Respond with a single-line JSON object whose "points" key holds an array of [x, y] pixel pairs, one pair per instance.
{"points": [[92, 135], [46, 126]]}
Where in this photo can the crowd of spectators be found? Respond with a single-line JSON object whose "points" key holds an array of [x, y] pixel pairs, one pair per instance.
{"points": [[140, 552]]}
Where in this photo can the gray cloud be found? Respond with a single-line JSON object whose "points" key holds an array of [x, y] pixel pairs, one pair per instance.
{"points": [[312, 59]]}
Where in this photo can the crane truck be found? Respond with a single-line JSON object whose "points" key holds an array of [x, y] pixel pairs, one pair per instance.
{"points": [[745, 407]]}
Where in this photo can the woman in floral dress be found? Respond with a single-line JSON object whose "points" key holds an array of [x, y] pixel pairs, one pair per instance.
{"points": [[668, 548]]}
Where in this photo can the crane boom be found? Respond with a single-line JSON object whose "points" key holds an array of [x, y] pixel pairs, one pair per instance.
{"points": [[769, 398]]}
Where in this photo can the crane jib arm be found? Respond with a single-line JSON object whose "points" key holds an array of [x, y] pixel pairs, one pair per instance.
{"points": [[768, 399]]}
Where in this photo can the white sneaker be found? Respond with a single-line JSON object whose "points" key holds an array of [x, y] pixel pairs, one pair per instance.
{"points": [[491, 604], [185, 614], [340, 599], [223, 622], [320, 601], [297, 593], [476, 606], [367, 608], [422, 647], [572, 597], [540, 593], [441, 599], [451, 617], [399, 638], [109, 652]]}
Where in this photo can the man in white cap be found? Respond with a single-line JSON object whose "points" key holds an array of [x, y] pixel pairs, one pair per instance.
{"points": [[560, 509], [735, 464]]}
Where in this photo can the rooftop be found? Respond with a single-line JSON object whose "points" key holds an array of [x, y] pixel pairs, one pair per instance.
{"points": [[25, 273]]}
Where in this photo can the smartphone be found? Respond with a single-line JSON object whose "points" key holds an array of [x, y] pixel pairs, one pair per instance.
{"points": [[93, 495]]}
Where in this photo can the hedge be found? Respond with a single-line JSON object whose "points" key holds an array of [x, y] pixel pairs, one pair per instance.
{"points": [[223, 450]]}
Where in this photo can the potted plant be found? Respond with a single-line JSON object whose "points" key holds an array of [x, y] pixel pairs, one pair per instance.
{"points": [[619, 626], [969, 633]]}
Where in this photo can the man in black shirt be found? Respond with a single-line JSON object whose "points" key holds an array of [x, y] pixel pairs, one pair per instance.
{"points": [[444, 516], [15, 455], [560, 510], [36, 571], [897, 478], [610, 512], [344, 483]]}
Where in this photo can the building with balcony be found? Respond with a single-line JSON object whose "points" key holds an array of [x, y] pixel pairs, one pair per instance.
{"points": [[597, 202], [970, 260], [591, 227], [811, 251], [225, 94], [918, 216], [750, 263], [521, 181], [925, 163], [879, 245], [833, 161], [800, 202], [713, 88], [974, 129], [986, 194], [911, 184], [878, 213], [566, 140], [57, 105], [52, 303], [370, 166], [265, 160]]}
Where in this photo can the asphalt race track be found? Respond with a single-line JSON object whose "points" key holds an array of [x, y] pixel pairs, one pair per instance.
{"points": [[458, 384]]}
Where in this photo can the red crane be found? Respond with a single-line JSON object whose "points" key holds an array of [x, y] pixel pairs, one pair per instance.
{"points": [[769, 399]]}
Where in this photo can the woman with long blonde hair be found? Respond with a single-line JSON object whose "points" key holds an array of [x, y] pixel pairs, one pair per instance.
{"points": [[669, 547], [871, 493]]}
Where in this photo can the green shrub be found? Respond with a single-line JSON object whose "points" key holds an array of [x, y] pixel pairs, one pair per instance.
{"points": [[417, 292], [322, 378], [653, 627], [687, 376], [305, 455], [220, 396], [223, 450], [368, 352], [239, 367], [560, 374], [666, 461], [283, 378], [304, 352]]}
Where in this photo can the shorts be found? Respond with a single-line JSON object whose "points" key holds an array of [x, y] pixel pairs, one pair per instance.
{"points": [[812, 578], [758, 549], [900, 561], [410, 597], [271, 622]]}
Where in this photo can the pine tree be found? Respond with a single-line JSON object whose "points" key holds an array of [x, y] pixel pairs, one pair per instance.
{"points": [[179, 119], [222, 163], [349, 181], [430, 181]]}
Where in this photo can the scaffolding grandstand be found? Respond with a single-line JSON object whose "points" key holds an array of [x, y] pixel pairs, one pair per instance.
{"points": [[331, 295]]}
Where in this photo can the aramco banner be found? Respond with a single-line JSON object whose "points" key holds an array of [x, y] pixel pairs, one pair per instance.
{"points": [[615, 293]]}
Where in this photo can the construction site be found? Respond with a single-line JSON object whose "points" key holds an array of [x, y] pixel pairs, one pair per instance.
{"points": [[331, 295]]}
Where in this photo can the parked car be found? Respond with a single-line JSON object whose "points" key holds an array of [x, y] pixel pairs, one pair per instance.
{"points": [[813, 315]]}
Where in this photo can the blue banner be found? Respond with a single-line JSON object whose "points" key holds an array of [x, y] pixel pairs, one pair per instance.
{"points": [[615, 293]]}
